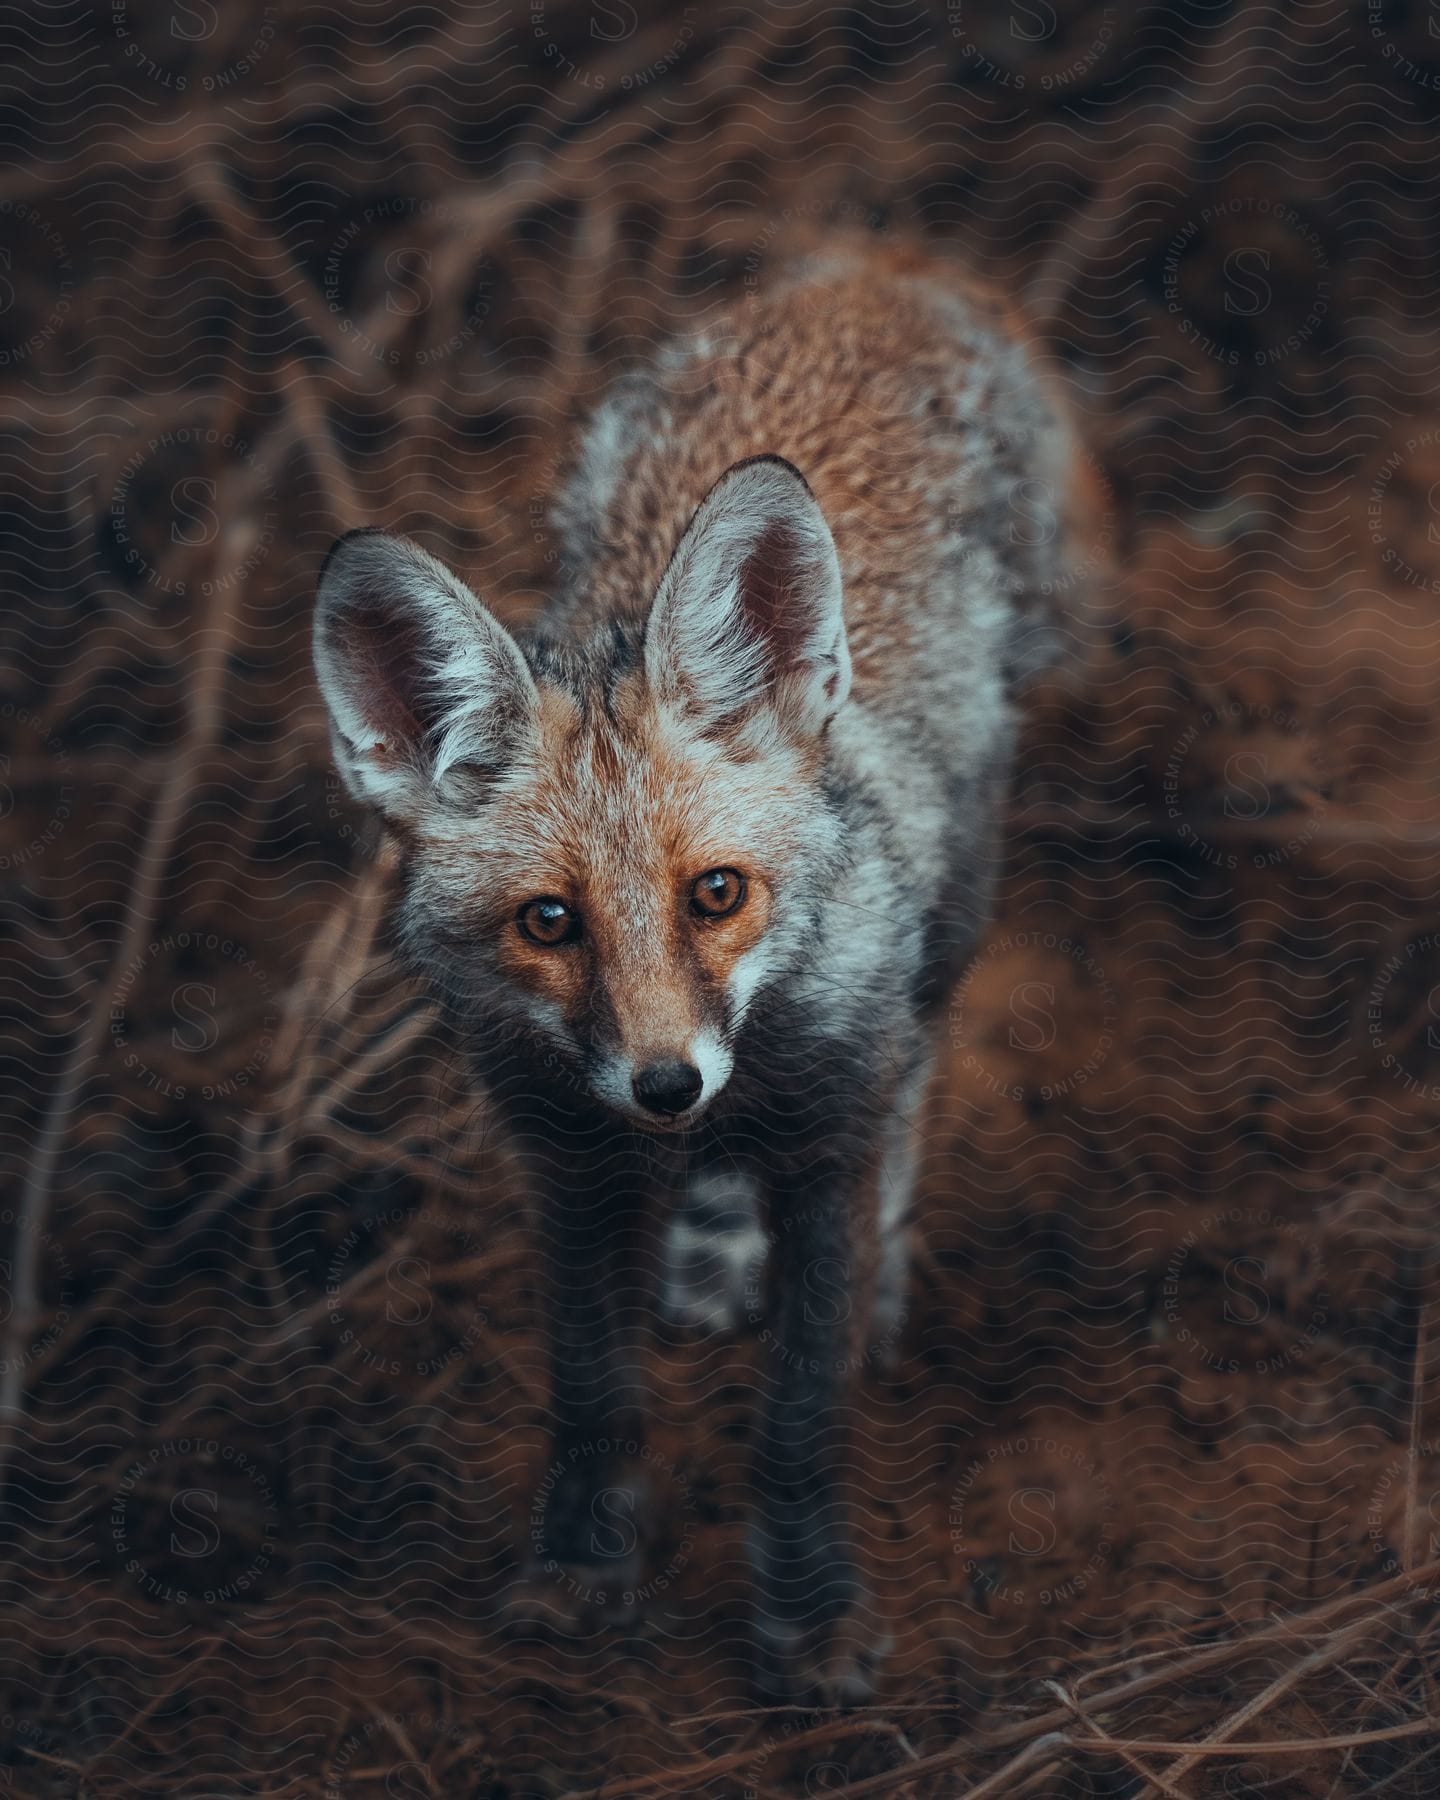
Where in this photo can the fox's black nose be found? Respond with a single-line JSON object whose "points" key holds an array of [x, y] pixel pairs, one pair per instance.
{"points": [[668, 1087]]}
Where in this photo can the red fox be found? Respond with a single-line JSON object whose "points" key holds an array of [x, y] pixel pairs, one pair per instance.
{"points": [[694, 862]]}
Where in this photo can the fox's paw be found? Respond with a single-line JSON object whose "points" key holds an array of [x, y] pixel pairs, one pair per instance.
{"points": [[835, 1662], [714, 1253], [587, 1530], [569, 1600], [818, 1636]]}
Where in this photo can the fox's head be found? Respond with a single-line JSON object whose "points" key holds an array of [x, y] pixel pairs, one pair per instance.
{"points": [[614, 844]]}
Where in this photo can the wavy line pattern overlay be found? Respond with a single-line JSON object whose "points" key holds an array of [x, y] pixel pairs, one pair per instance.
{"points": [[1149, 1492]]}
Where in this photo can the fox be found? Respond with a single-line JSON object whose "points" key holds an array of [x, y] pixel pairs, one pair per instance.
{"points": [[693, 859]]}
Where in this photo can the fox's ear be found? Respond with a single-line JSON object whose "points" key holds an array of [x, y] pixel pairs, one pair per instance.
{"points": [[748, 614], [429, 696]]}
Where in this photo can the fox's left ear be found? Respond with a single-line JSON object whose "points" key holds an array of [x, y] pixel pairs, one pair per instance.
{"points": [[748, 614]]}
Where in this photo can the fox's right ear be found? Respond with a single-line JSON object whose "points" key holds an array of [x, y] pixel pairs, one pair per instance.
{"points": [[429, 695]]}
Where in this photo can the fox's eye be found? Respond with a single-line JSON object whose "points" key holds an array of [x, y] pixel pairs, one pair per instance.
{"points": [[548, 921], [717, 892]]}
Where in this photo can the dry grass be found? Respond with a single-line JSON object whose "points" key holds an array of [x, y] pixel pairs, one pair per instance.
{"points": [[1151, 1498]]}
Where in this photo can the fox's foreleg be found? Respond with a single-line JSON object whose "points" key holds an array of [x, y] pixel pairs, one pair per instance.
{"points": [[591, 1497], [600, 1205], [817, 1633]]}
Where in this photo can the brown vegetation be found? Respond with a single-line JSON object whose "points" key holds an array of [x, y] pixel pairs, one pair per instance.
{"points": [[1151, 1494]]}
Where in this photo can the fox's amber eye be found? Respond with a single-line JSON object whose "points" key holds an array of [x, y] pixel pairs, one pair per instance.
{"points": [[718, 892], [548, 921]]}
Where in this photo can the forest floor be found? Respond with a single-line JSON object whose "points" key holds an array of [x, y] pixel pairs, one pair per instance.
{"points": [[1150, 1497]]}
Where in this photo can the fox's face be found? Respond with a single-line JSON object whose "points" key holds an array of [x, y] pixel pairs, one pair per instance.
{"points": [[614, 845]]}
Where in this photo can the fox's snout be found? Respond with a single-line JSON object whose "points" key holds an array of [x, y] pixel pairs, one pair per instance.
{"points": [[665, 1088]]}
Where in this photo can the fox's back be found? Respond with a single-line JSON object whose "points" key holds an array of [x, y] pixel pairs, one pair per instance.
{"points": [[908, 401]]}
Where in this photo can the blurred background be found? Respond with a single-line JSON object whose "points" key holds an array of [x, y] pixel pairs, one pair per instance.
{"points": [[1158, 1465]]}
